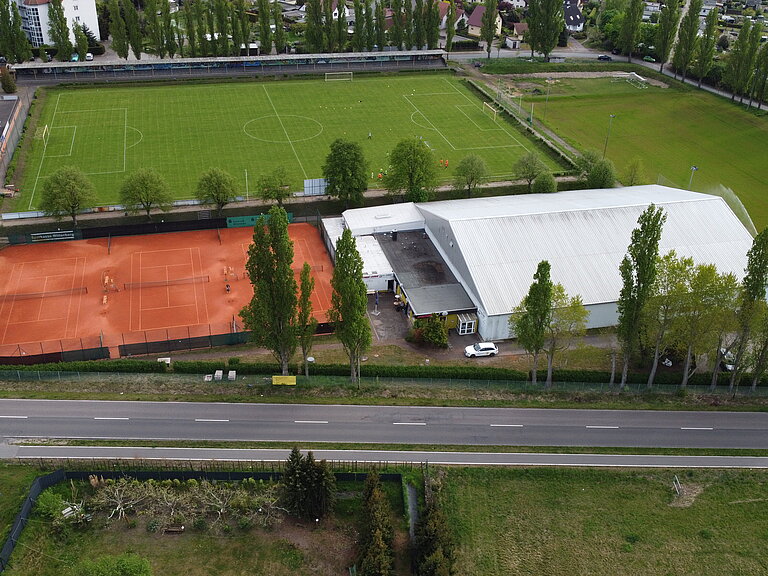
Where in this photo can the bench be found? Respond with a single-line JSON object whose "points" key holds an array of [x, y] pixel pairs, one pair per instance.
{"points": [[173, 529]]}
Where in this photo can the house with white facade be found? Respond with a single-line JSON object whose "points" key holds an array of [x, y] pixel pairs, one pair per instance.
{"points": [[35, 21]]}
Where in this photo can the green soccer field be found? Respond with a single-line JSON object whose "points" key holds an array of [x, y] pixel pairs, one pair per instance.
{"points": [[251, 128], [670, 129]]}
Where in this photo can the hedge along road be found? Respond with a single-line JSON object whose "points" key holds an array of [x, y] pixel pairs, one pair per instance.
{"points": [[160, 421]]}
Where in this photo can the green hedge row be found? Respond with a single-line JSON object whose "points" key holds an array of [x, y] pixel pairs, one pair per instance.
{"points": [[131, 366]]}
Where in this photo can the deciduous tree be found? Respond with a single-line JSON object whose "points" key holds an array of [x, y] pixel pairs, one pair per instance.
{"points": [[665, 304], [314, 34], [271, 313], [686, 38], [408, 24], [752, 293], [153, 27], [567, 320], [169, 29], [345, 171], [133, 27], [634, 173], [638, 271], [279, 35], [67, 192], [59, 30], [528, 167], [602, 174], [432, 21], [530, 320], [419, 33], [381, 30], [21, 49], [144, 191], [396, 31], [412, 171], [265, 21], [358, 36], [329, 29], [705, 47], [370, 28], [488, 24], [545, 23], [341, 27], [216, 187], [470, 173], [450, 26], [306, 323], [544, 183], [666, 31], [274, 186], [630, 27], [117, 30], [123, 565], [81, 41], [349, 303]]}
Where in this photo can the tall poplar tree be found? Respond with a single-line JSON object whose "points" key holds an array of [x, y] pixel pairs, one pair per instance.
{"points": [[349, 303], [265, 31], [753, 48], [638, 273], [630, 27], [314, 32], [761, 76], [370, 28], [117, 30], [418, 24], [203, 45], [686, 38], [381, 30], [169, 29], [306, 324], [488, 27], [223, 29], [81, 41], [190, 27], [432, 24], [271, 313], [153, 27], [22, 51], [329, 30], [666, 31], [132, 27], [245, 26], [545, 23], [358, 37], [396, 31], [277, 15], [450, 26], [529, 321], [408, 28], [6, 35], [59, 30], [705, 47], [751, 296], [341, 27]]}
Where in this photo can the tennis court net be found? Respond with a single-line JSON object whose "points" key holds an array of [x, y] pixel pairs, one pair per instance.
{"points": [[49, 294], [169, 282]]}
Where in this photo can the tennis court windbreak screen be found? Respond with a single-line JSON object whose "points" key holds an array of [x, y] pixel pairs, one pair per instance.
{"points": [[48, 294], [169, 282]]}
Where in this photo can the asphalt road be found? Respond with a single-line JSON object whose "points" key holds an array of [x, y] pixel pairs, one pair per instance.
{"points": [[380, 424]]}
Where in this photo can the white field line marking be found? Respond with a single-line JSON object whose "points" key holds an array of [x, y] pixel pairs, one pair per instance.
{"points": [[125, 135], [285, 132], [695, 428], [42, 159], [474, 104], [71, 143], [109, 418], [209, 420], [15, 417], [429, 121], [310, 421], [506, 425], [459, 108], [409, 423], [602, 427]]}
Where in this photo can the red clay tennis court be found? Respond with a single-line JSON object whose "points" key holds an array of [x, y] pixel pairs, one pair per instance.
{"points": [[91, 293]]}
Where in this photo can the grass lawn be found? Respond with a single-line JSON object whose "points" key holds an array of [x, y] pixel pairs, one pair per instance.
{"points": [[253, 127], [670, 129], [15, 481], [608, 522], [296, 548]]}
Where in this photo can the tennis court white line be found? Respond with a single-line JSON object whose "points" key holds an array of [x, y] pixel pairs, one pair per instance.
{"points": [[285, 132], [429, 121]]}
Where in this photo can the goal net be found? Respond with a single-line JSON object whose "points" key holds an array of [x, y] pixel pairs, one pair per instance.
{"points": [[330, 76], [42, 134], [637, 81], [490, 110]]}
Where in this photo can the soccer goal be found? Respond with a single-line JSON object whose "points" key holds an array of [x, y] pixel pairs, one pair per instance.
{"points": [[330, 76], [637, 81], [43, 134], [490, 110]]}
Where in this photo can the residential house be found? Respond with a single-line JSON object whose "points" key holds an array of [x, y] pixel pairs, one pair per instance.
{"points": [[574, 19], [475, 22], [335, 5], [461, 16], [35, 21], [516, 38]]}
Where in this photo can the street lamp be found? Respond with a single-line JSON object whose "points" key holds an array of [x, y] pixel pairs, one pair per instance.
{"points": [[690, 181], [608, 135], [546, 102]]}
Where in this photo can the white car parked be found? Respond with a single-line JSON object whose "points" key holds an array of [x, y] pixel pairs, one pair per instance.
{"points": [[481, 349]]}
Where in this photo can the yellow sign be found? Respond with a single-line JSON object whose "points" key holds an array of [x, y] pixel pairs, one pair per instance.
{"points": [[283, 380]]}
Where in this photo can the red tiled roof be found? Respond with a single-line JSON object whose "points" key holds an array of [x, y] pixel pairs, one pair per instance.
{"points": [[35, 2], [476, 18]]}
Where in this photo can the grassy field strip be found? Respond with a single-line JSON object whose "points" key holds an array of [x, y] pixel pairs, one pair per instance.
{"points": [[254, 127]]}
